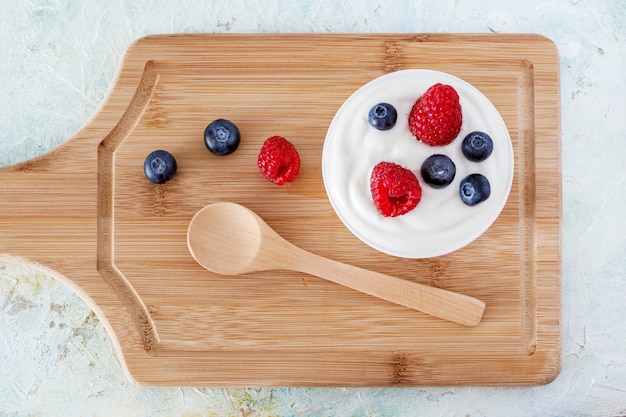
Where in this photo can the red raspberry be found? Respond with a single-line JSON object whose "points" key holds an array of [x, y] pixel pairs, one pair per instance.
{"points": [[436, 117], [395, 189], [278, 160]]}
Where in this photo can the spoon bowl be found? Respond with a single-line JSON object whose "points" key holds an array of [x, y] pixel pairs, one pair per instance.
{"points": [[225, 238], [230, 239]]}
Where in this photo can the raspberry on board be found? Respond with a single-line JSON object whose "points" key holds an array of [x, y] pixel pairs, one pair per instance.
{"points": [[278, 160], [395, 189], [436, 117]]}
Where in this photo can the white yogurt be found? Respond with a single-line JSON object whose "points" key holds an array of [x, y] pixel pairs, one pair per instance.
{"points": [[441, 222]]}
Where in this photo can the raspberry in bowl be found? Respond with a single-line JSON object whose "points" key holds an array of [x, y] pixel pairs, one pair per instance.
{"points": [[369, 173]]}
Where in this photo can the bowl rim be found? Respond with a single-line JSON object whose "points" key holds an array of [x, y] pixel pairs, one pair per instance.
{"points": [[461, 243]]}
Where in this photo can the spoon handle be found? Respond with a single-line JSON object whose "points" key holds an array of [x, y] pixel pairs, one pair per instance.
{"points": [[444, 304]]}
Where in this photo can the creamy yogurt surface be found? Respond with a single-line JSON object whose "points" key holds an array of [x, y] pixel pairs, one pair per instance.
{"points": [[441, 222]]}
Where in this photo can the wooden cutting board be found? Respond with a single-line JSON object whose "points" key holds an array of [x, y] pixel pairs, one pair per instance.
{"points": [[85, 214]]}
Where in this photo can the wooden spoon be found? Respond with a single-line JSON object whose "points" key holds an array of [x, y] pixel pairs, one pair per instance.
{"points": [[230, 239]]}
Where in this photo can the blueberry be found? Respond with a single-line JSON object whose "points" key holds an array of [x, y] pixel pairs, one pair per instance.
{"points": [[383, 116], [160, 167], [477, 146], [221, 137], [438, 171], [474, 189]]}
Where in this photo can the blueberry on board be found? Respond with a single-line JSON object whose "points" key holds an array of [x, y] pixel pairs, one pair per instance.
{"points": [[438, 171], [474, 189], [160, 166], [383, 116], [221, 137], [477, 146]]}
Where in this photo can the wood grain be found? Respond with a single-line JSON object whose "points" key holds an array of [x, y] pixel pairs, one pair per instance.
{"points": [[85, 214]]}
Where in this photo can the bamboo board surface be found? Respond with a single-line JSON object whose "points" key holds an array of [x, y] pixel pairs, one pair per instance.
{"points": [[85, 214]]}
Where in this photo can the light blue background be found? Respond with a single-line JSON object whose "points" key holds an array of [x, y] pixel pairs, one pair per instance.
{"points": [[58, 60]]}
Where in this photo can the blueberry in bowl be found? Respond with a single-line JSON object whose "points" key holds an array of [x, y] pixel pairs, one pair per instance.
{"points": [[438, 171], [383, 116], [474, 189], [477, 146]]}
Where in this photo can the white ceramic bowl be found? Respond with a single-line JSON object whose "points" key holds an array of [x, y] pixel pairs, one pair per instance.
{"points": [[441, 223]]}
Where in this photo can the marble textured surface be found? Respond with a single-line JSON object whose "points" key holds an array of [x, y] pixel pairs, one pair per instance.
{"points": [[58, 60]]}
